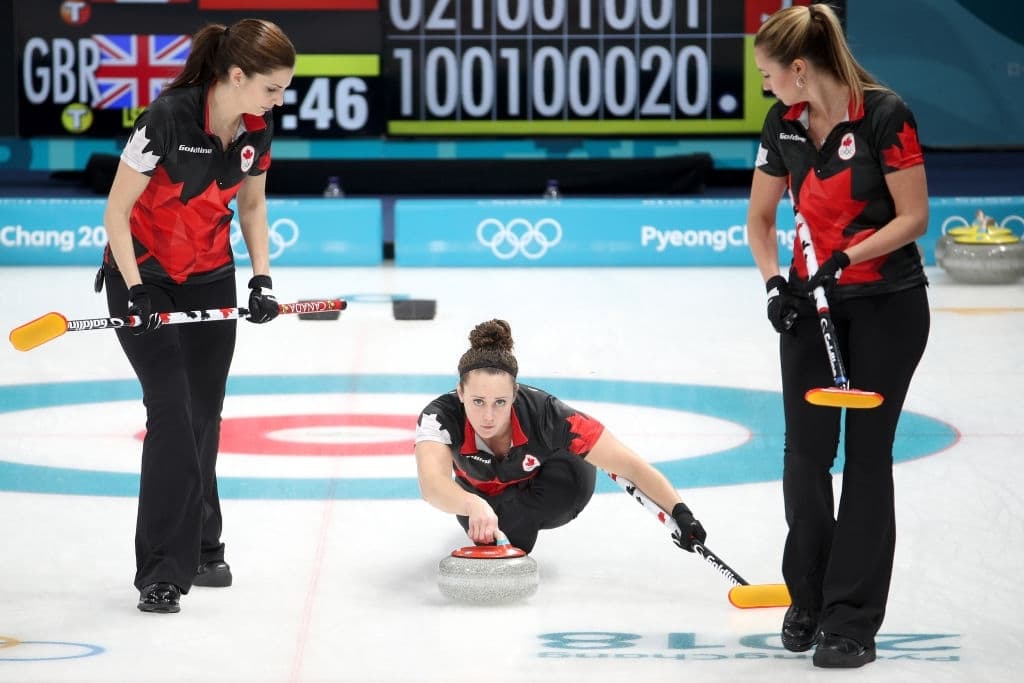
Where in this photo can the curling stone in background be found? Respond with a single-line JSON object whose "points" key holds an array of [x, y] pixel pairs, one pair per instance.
{"points": [[488, 574], [413, 309], [981, 253], [402, 306]]}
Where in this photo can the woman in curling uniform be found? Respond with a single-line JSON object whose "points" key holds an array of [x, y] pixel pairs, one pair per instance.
{"points": [[522, 459], [847, 150], [203, 142]]}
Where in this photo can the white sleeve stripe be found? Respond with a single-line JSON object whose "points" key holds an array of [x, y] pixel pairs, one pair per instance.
{"points": [[762, 156], [430, 429], [136, 163], [134, 154]]}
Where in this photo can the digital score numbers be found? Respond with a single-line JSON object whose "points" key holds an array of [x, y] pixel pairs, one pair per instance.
{"points": [[328, 106], [568, 67]]}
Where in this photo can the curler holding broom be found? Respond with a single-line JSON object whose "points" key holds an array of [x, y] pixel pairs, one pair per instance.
{"points": [[203, 142], [852, 316], [499, 454]]}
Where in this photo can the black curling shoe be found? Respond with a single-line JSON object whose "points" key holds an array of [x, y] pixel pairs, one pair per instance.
{"points": [[839, 652], [799, 629], [215, 574], [161, 598]]}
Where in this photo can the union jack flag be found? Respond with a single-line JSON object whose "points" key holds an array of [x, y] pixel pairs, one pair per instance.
{"points": [[134, 68]]}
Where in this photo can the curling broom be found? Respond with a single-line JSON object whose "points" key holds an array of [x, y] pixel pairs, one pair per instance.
{"points": [[52, 325], [743, 594], [840, 395]]}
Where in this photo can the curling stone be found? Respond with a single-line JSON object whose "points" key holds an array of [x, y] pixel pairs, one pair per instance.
{"points": [[414, 309], [402, 307], [488, 574], [981, 253]]}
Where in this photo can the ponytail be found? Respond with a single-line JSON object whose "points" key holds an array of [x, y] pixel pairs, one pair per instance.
{"points": [[201, 65], [253, 45], [814, 33]]}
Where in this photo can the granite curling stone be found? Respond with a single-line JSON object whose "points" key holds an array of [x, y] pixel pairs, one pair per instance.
{"points": [[488, 574], [982, 253], [414, 309]]}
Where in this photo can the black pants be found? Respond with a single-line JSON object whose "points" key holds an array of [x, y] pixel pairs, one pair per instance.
{"points": [[183, 371], [553, 498], [842, 563]]}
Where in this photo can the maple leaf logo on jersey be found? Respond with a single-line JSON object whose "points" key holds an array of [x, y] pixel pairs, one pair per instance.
{"points": [[430, 426], [248, 154], [135, 152], [848, 147], [762, 156], [585, 431], [907, 152], [530, 463]]}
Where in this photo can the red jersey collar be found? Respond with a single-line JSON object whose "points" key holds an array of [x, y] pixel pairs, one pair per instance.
{"points": [[469, 442], [798, 112], [253, 123], [249, 122]]}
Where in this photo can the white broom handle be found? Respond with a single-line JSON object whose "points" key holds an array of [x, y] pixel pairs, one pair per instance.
{"points": [[828, 328], [199, 316], [666, 519]]}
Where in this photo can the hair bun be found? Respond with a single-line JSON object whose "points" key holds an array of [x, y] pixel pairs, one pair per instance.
{"points": [[492, 334]]}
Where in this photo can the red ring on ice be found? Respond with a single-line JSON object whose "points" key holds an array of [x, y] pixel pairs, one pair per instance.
{"points": [[252, 435]]}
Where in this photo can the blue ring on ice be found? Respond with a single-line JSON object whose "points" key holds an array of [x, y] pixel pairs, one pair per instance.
{"points": [[759, 459]]}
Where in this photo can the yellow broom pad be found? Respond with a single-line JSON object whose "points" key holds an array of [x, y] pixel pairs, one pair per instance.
{"points": [[835, 397], [38, 331], [760, 595]]}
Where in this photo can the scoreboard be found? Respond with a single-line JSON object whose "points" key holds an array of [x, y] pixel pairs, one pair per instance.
{"points": [[423, 68], [564, 66]]}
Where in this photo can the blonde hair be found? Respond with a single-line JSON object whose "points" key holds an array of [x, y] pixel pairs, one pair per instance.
{"points": [[814, 33]]}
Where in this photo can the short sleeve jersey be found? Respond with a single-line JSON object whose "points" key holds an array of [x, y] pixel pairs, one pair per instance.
{"points": [[542, 426], [181, 222], [840, 189]]}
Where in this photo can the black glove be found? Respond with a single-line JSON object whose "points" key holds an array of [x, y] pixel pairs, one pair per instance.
{"points": [[826, 275], [262, 304], [782, 304], [690, 530], [140, 304]]}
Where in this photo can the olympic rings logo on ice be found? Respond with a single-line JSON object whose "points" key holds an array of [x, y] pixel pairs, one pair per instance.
{"points": [[284, 232], [519, 237]]}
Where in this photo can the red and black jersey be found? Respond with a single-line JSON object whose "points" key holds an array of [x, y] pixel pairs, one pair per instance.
{"points": [[840, 189], [542, 426], [181, 223]]}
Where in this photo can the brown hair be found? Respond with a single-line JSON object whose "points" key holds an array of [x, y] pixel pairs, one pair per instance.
{"points": [[815, 34], [490, 349], [255, 46]]}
